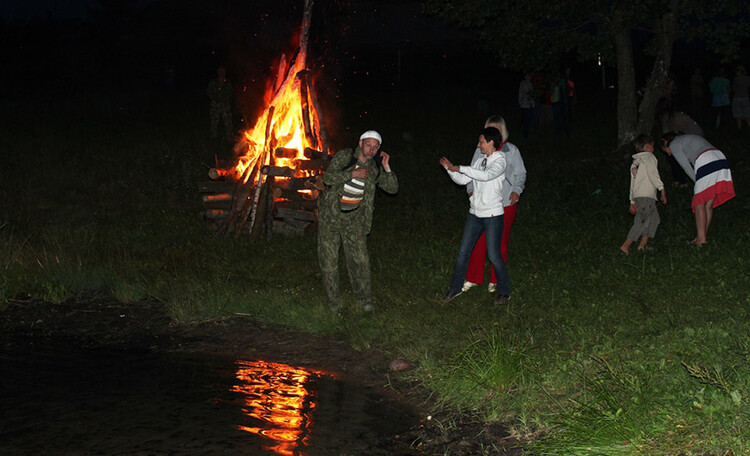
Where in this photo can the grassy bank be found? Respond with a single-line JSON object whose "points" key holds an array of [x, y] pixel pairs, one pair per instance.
{"points": [[597, 352]]}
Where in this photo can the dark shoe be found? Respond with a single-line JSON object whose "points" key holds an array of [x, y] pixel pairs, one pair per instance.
{"points": [[502, 299], [451, 296]]}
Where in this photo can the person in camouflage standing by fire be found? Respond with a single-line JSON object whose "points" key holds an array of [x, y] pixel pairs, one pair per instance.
{"points": [[345, 215], [220, 92]]}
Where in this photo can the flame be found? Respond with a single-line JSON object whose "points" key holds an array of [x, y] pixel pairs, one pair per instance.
{"points": [[276, 396], [287, 127]]}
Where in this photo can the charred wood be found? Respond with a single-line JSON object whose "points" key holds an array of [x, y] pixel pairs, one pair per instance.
{"points": [[295, 195], [216, 213], [262, 160], [275, 171], [295, 214], [222, 173], [314, 165], [310, 153], [306, 205], [282, 152], [304, 101], [268, 221], [217, 197], [321, 124]]}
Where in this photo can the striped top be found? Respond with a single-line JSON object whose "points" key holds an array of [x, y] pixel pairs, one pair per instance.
{"points": [[354, 191]]}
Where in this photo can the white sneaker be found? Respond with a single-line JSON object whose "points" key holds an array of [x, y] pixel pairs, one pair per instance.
{"points": [[467, 286], [492, 287]]}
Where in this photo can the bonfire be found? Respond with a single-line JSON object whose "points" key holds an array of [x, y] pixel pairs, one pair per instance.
{"points": [[278, 175]]}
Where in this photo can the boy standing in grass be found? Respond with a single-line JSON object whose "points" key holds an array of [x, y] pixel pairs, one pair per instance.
{"points": [[644, 183]]}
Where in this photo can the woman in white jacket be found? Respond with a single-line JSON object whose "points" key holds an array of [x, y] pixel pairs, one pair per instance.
{"points": [[486, 173]]}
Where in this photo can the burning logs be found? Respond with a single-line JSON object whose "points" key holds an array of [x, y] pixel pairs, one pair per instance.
{"points": [[282, 199], [282, 152], [277, 179], [312, 153]]}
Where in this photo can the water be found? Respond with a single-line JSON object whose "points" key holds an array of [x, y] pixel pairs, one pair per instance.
{"points": [[67, 400]]}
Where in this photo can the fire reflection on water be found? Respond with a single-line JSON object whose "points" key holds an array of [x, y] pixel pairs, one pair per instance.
{"points": [[279, 402]]}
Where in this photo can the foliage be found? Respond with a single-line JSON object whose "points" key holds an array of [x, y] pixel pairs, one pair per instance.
{"points": [[540, 35]]}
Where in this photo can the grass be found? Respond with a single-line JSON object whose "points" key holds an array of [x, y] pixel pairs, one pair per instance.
{"points": [[597, 352]]}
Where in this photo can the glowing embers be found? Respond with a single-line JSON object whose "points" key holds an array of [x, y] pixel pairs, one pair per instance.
{"points": [[278, 402]]}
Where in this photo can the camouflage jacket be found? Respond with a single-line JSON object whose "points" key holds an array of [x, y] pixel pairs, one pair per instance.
{"points": [[338, 173]]}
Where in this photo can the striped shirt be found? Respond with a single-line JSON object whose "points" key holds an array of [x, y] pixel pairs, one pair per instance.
{"points": [[354, 191]]}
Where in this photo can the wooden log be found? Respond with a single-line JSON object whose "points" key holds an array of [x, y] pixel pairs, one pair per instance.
{"points": [[311, 165], [301, 183], [306, 205], [260, 175], [294, 194], [304, 101], [268, 219], [311, 154], [276, 171], [217, 187], [283, 152], [295, 214], [305, 28], [215, 213], [321, 124], [217, 197], [219, 173]]}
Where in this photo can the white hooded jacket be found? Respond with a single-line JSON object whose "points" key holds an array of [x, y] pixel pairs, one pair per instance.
{"points": [[487, 198]]}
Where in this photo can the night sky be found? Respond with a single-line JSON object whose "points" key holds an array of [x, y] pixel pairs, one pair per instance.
{"points": [[94, 42]]}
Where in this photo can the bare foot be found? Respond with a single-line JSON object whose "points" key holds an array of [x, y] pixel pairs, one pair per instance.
{"points": [[624, 250], [697, 241]]}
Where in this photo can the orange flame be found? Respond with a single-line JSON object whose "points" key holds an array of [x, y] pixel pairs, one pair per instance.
{"points": [[287, 127]]}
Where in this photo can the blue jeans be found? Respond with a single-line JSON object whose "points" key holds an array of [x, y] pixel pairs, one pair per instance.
{"points": [[493, 232]]}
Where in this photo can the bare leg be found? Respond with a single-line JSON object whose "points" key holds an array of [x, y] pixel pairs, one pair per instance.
{"points": [[709, 214], [700, 225], [625, 247], [644, 241]]}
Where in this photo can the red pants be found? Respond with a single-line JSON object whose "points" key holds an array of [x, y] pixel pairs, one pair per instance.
{"points": [[475, 273]]}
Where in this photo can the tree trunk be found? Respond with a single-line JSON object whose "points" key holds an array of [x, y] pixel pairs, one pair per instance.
{"points": [[660, 72], [626, 92]]}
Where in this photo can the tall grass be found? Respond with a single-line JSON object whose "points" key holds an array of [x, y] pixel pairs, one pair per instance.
{"points": [[597, 352]]}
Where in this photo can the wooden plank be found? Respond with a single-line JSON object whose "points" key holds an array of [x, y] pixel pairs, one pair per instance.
{"points": [[299, 205], [295, 214], [216, 213], [275, 171]]}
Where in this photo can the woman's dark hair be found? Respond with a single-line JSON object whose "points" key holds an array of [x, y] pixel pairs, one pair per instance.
{"points": [[494, 135], [667, 138]]}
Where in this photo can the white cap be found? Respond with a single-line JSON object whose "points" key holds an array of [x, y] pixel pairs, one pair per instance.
{"points": [[371, 134]]}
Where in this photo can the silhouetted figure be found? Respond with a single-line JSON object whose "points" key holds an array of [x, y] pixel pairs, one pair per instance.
{"points": [[526, 102]]}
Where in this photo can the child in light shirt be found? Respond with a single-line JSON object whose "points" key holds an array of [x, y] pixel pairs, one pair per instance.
{"points": [[644, 184]]}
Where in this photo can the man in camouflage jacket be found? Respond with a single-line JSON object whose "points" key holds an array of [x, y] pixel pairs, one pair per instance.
{"points": [[345, 215]]}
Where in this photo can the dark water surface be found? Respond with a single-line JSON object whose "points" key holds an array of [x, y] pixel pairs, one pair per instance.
{"points": [[66, 400]]}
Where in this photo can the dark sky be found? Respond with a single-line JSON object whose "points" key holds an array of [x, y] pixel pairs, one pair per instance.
{"points": [[24, 10]]}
